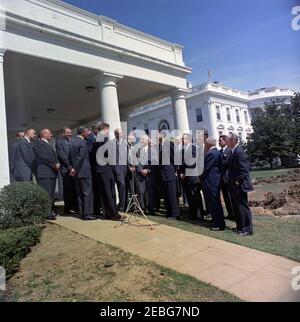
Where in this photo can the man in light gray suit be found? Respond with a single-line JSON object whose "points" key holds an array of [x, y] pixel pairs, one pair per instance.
{"points": [[22, 157]]}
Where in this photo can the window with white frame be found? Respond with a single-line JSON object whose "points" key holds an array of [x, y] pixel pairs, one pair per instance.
{"points": [[228, 113]]}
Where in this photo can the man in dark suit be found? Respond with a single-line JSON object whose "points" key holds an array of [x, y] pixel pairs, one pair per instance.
{"points": [[120, 167], [168, 172], [64, 155], [102, 151], [211, 184], [11, 154], [46, 166], [190, 181], [83, 174], [225, 152], [21, 157], [92, 136], [90, 140], [239, 184]]}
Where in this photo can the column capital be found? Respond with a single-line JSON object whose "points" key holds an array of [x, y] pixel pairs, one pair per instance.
{"points": [[179, 93], [2, 53], [108, 79]]}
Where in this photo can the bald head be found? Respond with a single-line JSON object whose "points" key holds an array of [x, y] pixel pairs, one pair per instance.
{"points": [[30, 134], [46, 134], [118, 133], [145, 140]]}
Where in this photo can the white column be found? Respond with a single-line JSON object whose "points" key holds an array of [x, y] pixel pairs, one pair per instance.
{"points": [[4, 167], [181, 120], [109, 100], [213, 120]]}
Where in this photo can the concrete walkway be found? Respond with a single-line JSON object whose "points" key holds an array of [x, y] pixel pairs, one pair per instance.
{"points": [[249, 274]]}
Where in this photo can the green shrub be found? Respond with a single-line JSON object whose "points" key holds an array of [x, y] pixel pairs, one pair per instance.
{"points": [[15, 244], [23, 203]]}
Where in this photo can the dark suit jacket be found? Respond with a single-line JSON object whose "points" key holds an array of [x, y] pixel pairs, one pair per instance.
{"points": [[225, 156], [167, 171], [80, 158], [186, 164], [211, 176], [22, 159], [45, 160], [238, 169], [105, 166], [90, 140], [64, 155], [12, 155]]}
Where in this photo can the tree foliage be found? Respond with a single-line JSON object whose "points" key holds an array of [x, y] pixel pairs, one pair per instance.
{"points": [[276, 132]]}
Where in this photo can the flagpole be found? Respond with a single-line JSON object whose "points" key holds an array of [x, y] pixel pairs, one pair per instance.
{"points": [[208, 75]]}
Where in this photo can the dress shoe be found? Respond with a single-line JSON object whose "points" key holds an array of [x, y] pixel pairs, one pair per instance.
{"points": [[89, 217], [217, 228], [51, 217], [243, 233], [69, 212], [116, 218]]}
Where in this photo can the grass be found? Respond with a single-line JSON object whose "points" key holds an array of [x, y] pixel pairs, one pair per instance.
{"points": [[279, 236], [268, 173], [66, 266]]}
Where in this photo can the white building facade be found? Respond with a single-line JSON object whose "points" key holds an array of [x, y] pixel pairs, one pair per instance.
{"points": [[211, 106], [63, 66]]}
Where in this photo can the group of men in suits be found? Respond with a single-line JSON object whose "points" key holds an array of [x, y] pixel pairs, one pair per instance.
{"points": [[93, 165], [227, 170]]}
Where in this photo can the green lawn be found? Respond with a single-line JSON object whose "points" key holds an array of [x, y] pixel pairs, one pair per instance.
{"points": [[66, 266], [268, 173], [279, 236]]}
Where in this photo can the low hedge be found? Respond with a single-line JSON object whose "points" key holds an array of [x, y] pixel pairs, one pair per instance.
{"points": [[22, 204], [15, 244]]}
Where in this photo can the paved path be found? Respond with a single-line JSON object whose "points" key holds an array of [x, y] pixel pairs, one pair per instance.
{"points": [[250, 274]]}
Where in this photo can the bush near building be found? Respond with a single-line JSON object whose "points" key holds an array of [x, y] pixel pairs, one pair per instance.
{"points": [[15, 244], [23, 203], [23, 208]]}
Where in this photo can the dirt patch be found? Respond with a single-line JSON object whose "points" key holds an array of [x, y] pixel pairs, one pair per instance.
{"points": [[279, 204], [66, 266]]}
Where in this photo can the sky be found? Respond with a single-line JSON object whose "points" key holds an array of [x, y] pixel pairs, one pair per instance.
{"points": [[246, 44]]}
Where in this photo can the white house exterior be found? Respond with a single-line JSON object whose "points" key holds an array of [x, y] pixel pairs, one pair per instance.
{"points": [[211, 106], [60, 65]]}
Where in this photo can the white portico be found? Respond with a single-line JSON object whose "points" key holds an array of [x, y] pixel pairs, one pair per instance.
{"points": [[60, 65]]}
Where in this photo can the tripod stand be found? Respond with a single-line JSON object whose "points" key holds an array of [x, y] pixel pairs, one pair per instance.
{"points": [[135, 205]]}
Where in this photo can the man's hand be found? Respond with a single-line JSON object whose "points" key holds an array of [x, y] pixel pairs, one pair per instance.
{"points": [[144, 172], [182, 176], [132, 169], [72, 172], [56, 167]]}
